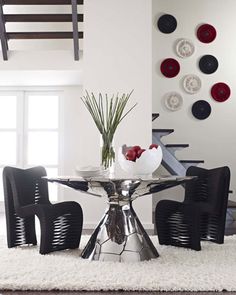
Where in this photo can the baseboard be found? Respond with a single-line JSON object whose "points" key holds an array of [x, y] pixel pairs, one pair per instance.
{"points": [[87, 226]]}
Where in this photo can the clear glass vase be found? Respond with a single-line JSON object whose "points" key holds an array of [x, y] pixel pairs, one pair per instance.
{"points": [[107, 154]]}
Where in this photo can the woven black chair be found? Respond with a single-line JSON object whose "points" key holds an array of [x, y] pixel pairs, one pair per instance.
{"points": [[26, 195], [201, 216]]}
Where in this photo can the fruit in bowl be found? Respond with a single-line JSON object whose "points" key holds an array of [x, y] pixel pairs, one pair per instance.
{"points": [[138, 161]]}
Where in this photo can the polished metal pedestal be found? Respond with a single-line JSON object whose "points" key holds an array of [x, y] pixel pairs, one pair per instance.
{"points": [[120, 237]]}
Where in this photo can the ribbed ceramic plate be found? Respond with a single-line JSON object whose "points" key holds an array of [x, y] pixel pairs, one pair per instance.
{"points": [[173, 101], [192, 84], [184, 48]]}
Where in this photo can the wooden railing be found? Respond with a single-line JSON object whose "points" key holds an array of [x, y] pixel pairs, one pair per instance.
{"points": [[74, 18]]}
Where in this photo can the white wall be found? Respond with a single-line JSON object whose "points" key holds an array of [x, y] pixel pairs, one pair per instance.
{"points": [[117, 58], [213, 139], [41, 68]]}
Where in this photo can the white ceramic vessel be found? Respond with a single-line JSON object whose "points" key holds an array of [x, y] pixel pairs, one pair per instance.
{"points": [[148, 162], [89, 171]]}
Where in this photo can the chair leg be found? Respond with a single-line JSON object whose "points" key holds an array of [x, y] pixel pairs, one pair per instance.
{"points": [[60, 233], [46, 227], [163, 230], [194, 231], [30, 232], [214, 229], [162, 213], [20, 231]]}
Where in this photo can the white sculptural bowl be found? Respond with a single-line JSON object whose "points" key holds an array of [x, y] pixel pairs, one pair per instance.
{"points": [[148, 162]]}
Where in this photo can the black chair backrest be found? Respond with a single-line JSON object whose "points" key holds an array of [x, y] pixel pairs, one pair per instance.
{"points": [[24, 187], [211, 187]]}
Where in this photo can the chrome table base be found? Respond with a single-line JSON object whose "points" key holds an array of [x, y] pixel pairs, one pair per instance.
{"points": [[120, 237]]}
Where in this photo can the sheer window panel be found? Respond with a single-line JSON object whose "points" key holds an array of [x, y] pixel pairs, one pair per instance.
{"points": [[52, 187], [43, 111], [42, 148], [8, 109], [8, 148]]}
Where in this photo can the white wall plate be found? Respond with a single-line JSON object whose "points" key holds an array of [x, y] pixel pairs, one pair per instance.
{"points": [[184, 48], [192, 84], [173, 101]]}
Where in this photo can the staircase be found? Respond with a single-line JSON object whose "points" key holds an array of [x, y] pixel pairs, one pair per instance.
{"points": [[72, 17], [170, 162], [179, 167]]}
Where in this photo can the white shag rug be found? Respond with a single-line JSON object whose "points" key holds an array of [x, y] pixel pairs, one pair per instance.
{"points": [[177, 269]]}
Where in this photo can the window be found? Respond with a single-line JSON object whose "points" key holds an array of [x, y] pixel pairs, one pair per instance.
{"points": [[29, 132]]}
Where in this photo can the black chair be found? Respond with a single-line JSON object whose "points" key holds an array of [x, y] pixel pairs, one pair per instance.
{"points": [[26, 195], [201, 216]]}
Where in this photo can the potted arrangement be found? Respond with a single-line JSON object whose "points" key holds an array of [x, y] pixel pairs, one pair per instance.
{"points": [[107, 113]]}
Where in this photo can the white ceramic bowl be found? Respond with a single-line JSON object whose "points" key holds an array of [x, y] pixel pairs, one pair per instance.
{"points": [[88, 171], [148, 162]]}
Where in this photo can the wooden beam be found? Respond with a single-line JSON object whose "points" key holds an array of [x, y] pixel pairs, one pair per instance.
{"points": [[40, 2], [3, 35], [41, 18], [42, 35], [75, 29]]}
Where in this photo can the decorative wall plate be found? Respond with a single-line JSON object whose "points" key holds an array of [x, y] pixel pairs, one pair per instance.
{"points": [[167, 23], [206, 33], [220, 92], [184, 48], [173, 101], [201, 109], [192, 84], [208, 64], [170, 67]]}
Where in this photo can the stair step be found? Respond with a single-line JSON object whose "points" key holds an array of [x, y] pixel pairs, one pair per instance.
{"points": [[40, 2], [155, 116], [191, 161], [42, 35], [162, 132], [166, 131], [172, 148], [184, 145], [231, 204], [41, 18]]}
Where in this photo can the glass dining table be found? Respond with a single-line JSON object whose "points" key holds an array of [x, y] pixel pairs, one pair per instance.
{"points": [[120, 236]]}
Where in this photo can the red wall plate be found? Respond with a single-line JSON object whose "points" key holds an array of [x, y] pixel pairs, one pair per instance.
{"points": [[220, 92], [170, 67], [206, 33]]}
